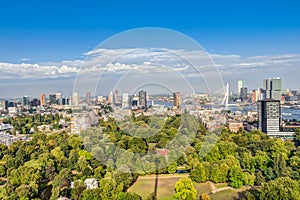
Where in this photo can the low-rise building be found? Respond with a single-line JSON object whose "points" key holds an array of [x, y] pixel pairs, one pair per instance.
{"points": [[234, 126], [91, 183]]}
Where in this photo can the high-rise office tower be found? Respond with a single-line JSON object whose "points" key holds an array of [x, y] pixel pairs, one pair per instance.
{"points": [[116, 96], [63, 101], [176, 99], [88, 97], [111, 97], [58, 97], [244, 94], [134, 100], [253, 96], [75, 99], [273, 88], [268, 112], [43, 99], [52, 98], [4, 105], [240, 85], [26, 101], [125, 100], [143, 99], [35, 102]]}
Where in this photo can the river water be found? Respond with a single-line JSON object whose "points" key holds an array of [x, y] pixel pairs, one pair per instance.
{"points": [[287, 113]]}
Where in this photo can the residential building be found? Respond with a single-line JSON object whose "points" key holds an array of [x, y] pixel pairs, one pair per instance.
{"points": [[91, 183], [244, 94], [143, 99], [125, 100], [176, 99], [111, 97], [88, 97], [235, 126], [75, 99], [43, 99], [268, 111]]}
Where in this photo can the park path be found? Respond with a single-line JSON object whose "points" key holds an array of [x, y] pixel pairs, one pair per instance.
{"points": [[214, 189], [164, 176]]}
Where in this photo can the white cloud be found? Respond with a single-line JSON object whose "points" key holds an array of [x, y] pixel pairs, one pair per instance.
{"points": [[25, 59], [116, 62]]}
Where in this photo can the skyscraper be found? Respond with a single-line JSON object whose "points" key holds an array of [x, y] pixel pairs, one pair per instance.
{"points": [[143, 99], [35, 102], [240, 85], [88, 98], [244, 94], [43, 99], [134, 101], [268, 112], [58, 97], [52, 98], [116, 96], [273, 88], [26, 101], [111, 97], [125, 100], [176, 97], [75, 99], [4, 105]]}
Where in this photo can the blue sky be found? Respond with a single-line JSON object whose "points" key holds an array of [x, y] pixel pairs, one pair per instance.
{"points": [[59, 30], [43, 32]]}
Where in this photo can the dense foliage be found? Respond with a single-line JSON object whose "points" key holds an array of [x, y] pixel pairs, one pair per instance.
{"points": [[45, 167]]}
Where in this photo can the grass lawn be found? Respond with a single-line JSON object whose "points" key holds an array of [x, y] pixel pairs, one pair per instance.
{"points": [[224, 195], [220, 185], [145, 185], [202, 188]]}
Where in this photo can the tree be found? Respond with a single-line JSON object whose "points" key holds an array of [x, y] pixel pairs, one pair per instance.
{"points": [[295, 162], [198, 174], [124, 178], [226, 149], [77, 191], [249, 178], [204, 196], [247, 160], [214, 173], [259, 178], [261, 160], [224, 169], [109, 189], [236, 176], [280, 164], [172, 168], [278, 146], [297, 132], [281, 188], [60, 184], [269, 174], [129, 196], [94, 194], [184, 189]]}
